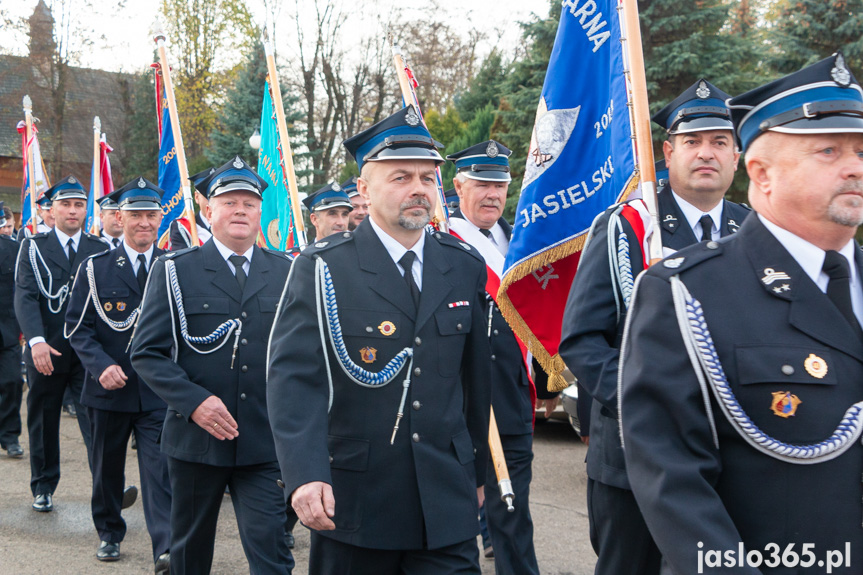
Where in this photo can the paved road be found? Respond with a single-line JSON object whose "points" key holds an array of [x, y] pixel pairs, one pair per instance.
{"points": [[65, 542]]}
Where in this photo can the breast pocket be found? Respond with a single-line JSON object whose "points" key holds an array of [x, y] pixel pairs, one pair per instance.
{"points": [[452, 325], [373, 337], [206, 313], [782, 364]]}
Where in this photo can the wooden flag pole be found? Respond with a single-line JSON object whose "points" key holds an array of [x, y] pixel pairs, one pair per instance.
{"points": [[440, 215], [159, 37], [31, 169], [284, 141], [641, 123], [97, 174]]}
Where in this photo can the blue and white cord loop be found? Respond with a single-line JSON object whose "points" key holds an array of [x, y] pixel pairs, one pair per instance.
{"points": [[93, 294], [223, 331], [696, 336], [328, 315], [60, 296]]}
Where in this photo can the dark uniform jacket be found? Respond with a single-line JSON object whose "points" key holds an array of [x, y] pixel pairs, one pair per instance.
{"points": [[420, 491], [511, 396], [211, 295], [9, 330], [592, 331], [179, 235], [97, 344], [764, 331], [31, 306]]}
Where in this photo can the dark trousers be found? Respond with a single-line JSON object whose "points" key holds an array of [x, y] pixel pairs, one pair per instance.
{"points": [[44, 404], [198, 491], [512, 533], [111, 431], [618, 533], [330, 557], [11, 389]]}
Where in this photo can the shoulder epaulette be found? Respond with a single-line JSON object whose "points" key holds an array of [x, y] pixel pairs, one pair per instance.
{"points": [[99, 255], [278, 253], [172, 255], [37, 236], [689, 257], [329, 242], [9, 238], [451, 241]]}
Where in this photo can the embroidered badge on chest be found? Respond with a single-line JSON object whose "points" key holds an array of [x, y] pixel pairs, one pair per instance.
{"points": [[108, 306], [121, 306], [368, 354], [121, 261], [784, 403], [387, 328]]}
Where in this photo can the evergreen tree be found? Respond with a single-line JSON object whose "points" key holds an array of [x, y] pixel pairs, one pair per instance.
{"points": [[806, 31], [140, 143], [476, 131], [483, 89]]}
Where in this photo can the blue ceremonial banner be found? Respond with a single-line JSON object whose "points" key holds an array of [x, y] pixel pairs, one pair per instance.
{"points": [[276, 216], [581, 160], [169, 170]]}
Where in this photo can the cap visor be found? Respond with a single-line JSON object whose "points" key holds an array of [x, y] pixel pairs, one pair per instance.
{"points": [[324, 207], [835, 124], [488, 176], [702, 125], [235, 187], [69, 196], [407, 153], [139, 206]]}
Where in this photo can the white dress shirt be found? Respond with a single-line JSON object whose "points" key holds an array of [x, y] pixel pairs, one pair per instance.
{"points": [[397, 251], [64, 240], [693, 218], [133, 257], [226, 252]]}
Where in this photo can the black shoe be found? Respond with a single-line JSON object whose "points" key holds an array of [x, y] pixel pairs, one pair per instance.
{"points": [[14, 450], [289, 539], [43, 503], [163, 564], [130, 495], [70, 409], [108, 551], [488, 552], [134, 444]]}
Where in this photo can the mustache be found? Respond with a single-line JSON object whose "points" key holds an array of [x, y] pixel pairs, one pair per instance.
{"points": [[850, 187], [416, 202]]}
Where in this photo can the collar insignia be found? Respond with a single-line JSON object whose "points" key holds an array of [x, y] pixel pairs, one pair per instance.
{"points": [[770, 276], [784, 404], [702, 91], [815, 366], [121, 261], [840, 73], [368, 354], [491, 150]]}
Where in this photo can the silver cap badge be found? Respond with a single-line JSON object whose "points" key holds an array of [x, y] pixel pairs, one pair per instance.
{"points": [[491, 150], [141, 183], [412, 119], [702, 91], [840, 73], [238, 163]]}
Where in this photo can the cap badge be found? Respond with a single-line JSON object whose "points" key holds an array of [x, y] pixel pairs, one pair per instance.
{"points": [[368, 354], [412, 119], [387, 328], [238, 163], [337, 188], [840, 73], [784, 403], [702, 91], [72, 180], [491, 150], [815, 366], [141, 183], [771, 276]]}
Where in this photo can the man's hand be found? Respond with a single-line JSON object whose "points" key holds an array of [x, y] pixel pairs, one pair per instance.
{"points": [[41, 353], [480, 495], [550, 404], [113, 378], [315, 505], [214, 417]]}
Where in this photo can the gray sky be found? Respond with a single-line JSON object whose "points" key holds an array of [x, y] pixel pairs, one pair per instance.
{"points": [[127, 46]]}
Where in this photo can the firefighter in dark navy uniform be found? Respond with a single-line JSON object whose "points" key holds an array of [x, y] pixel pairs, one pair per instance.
{"points": [[47, 263], [104, 304], [329, 210], [379, 372], [743, 360], [481, 182], [701, 158], [200, 345], [11, 386]]}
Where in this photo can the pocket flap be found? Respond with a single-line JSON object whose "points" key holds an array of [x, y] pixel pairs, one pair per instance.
{"points": [[453, 321], [784, 364], [348, 454], [208, 304], [371, 323], [268, 303], [463, 447]]}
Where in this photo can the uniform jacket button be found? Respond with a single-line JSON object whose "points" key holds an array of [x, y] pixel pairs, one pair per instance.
{"points": [[243, 396], [331, 458], [493, 357], [416, 437], [495, 332], [244, 341], [244, 369], [179, 416], [417, 371], [369, 329], [458, 327], [206, 306], [418, 341], [787, 369], [244, 315], [280, 483], [417, 405]]}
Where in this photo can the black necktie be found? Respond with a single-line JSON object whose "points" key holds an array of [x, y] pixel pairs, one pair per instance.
{"points": [[486, 233], [71, 245], [839, 286], [115, 241], [706, 228], [142, 271], [407, 262], [238, 262]]}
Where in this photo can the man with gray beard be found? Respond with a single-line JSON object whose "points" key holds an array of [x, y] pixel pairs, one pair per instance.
{"points": [[379, 376], [741, 365]]}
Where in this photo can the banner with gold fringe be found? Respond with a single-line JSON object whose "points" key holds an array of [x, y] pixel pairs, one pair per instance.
{"points": [[580, 161]]}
